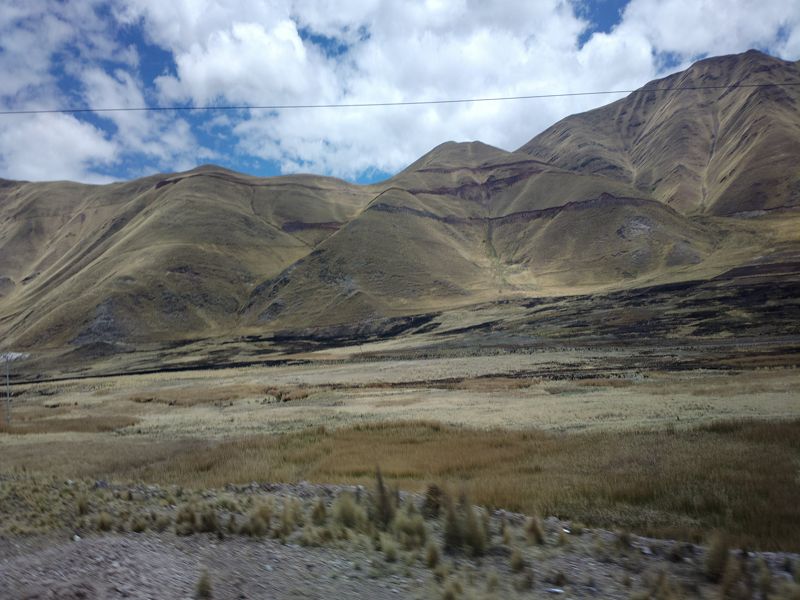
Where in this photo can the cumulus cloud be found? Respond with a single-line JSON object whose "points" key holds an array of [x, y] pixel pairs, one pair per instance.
{"points": [[354, 51], [56, 54], [53, 147]]}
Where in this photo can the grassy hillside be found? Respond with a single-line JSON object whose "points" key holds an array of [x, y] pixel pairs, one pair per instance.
{"points": [[648, 190], [722, 151]]}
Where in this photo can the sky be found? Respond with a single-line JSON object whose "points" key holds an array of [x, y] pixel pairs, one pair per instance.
{"points": [[57, 54]]}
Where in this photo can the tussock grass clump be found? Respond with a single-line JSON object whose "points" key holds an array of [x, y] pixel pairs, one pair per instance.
{"points": [[162, 523], [432, 555], [389, 547], [139, 524], [534, 530], [452, 589], [624, 540], [186, 520], [104, 521], [516, 561], [208, 522], [659, 588], [203, 589], [525, 581], [349, 514], [765, 585], [265, 510], [384, 507], [432, 505], [258, 522], [82, 504], [717, 556], [310, 536], [291, 516], [192, 518], [254, 526], [409, 528], [319, 513], [463, 529], [732, 585], [787, 591], [453, 533], [474, 532]]}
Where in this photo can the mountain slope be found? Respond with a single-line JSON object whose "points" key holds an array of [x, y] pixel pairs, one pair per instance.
{"points": [[156, 258], [718, 151], [648, 190]]}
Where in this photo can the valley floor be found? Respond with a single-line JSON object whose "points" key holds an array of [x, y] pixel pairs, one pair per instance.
{"points": [[669, 440]]}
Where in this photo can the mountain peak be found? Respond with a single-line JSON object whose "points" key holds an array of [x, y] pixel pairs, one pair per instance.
{"points": [[458, 154], [712, 145]]}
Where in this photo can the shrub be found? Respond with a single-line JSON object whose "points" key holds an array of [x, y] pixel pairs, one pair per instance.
{"points": [[717, 556]]}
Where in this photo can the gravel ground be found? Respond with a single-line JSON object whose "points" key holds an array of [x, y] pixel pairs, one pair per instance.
{"points": [[570, 562], [155, 567]]}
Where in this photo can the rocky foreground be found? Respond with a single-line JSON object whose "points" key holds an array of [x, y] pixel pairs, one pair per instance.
{"points": [[93, 540]]}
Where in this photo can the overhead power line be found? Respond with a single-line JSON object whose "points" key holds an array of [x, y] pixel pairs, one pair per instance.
{"points": [[379, 104]]}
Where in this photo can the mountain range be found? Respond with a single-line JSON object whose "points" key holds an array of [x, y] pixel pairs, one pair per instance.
{"points": [[665, 185]]}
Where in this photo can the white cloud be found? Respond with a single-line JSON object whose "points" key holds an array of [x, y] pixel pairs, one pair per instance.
{"points": [[155, 135], [52, 147], [243, 52], [43, 40], [692, 28]]}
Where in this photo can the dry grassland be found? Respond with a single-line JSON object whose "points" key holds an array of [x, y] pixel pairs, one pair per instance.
{"points": [[739, 476], [668, 454]]}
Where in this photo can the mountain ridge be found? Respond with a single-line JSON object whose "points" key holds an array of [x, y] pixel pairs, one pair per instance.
{"points": [[209, 252]]}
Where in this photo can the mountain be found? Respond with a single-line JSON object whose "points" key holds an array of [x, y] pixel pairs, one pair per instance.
{"points": [[729, 149], [154, 258], [655, 188]]}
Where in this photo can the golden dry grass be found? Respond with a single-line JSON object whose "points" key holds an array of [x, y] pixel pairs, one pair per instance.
{"points": [[88, 424], [736, 476]]}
